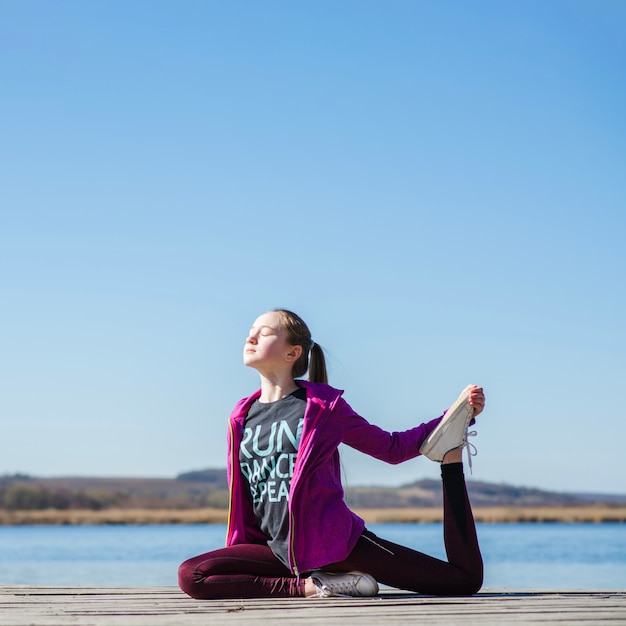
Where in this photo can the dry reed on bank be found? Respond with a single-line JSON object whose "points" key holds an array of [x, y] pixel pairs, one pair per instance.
{"points": [[501, 514], [113, 516], [593, 514]]}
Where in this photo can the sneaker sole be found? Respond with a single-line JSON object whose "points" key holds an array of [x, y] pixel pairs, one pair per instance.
{"points": [[461, 405]]}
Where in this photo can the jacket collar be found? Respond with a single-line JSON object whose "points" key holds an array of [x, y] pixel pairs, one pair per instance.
{"points": [[317, 393]]}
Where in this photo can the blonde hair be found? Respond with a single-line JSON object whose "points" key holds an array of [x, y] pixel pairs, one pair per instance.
{"points": [[312, 358]]}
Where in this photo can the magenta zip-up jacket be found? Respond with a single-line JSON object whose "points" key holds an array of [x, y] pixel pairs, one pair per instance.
{"points": [[322, 529]]}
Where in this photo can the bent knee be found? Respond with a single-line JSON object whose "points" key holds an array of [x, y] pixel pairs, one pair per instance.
{"points": [[187, 580], [472, 585], [466, 585]]}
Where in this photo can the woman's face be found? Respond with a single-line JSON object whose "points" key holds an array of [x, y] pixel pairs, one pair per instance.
{"points": [[266, 346]]}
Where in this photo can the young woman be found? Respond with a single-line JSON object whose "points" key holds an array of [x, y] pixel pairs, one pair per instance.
{"points": [[290, 534]]}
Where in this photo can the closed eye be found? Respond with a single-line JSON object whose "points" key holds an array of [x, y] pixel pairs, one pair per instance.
{"points": [[265, 331]]}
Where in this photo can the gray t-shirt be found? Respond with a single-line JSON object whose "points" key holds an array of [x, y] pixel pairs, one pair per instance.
{"points": [[267, 456]]}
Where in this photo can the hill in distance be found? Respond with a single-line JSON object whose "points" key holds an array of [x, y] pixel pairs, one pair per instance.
{"points": [[208, 487], [427, 492]]}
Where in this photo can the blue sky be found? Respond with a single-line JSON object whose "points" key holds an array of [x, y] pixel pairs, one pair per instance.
{"points": [[438, 188]]}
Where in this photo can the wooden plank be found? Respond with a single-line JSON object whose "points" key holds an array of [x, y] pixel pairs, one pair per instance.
{"points": [[167, 606]]}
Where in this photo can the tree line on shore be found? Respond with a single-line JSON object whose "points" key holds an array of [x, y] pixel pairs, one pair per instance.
{"points": [[24, 493]]}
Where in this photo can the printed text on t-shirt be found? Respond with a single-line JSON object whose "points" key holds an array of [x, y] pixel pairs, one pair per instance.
{"points": [[271, 450]]}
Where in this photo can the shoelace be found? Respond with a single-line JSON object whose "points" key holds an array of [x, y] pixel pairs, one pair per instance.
{"points": [[328, 592], [336, 588], [471, 448]]}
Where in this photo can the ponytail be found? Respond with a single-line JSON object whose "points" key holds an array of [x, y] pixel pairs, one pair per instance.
{"points": [[298, 334], [317, 365]]}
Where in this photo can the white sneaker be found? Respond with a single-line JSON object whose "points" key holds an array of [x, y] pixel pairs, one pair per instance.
{"points": [[351, 584], [451, 433]]}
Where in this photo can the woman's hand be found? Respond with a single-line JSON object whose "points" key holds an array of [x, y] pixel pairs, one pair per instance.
{"points": [[477, 399]]}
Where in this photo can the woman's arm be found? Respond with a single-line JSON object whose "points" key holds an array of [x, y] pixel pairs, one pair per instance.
{"points": [[391, 447]]}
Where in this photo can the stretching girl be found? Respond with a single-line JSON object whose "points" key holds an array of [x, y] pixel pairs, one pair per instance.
{"points": [[290, 534]]}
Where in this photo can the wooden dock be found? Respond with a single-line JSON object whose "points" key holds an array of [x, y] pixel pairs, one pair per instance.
{"points": [[167, 606]]}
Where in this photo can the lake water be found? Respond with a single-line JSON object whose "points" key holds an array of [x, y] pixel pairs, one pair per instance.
{"points": [[522, 556]]}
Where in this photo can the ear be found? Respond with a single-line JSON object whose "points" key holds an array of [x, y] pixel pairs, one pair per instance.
{"points": [[294, 354]]}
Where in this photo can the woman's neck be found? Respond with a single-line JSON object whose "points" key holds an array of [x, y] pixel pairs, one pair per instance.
{"points": [[274, 388]]}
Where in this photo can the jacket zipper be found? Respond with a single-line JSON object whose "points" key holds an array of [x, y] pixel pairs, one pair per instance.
{"points": [[231, 503], [292, 557]]}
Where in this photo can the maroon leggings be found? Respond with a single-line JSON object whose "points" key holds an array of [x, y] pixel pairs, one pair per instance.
{"points": [[252, 570]]}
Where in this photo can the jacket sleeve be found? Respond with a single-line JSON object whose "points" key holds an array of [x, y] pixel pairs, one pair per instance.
{"points": [[391, 447]]}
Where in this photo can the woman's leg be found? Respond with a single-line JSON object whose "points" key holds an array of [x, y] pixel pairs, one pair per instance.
{"points": [[404, 568], [241, 571]]}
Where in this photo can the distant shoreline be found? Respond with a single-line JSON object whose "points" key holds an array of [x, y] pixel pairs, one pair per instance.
{"points": [[496, 514]]}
